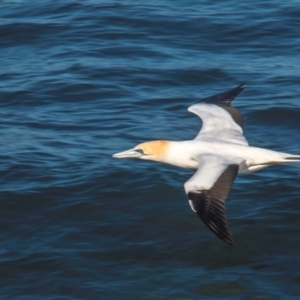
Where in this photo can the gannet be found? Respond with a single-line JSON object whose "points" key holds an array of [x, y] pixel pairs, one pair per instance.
{"points": [[219, 152]]}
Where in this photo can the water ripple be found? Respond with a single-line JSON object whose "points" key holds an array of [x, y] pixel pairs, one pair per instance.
{"points": [[83, 80]]}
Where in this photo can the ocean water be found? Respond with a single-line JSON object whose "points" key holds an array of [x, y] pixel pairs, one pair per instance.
{"points": [[82, 80]]}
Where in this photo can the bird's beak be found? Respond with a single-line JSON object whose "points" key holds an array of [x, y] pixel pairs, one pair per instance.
{"points": [[132, 153]]}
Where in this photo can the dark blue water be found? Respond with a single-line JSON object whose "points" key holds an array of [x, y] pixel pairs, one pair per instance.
{"points": [[81, 80]]}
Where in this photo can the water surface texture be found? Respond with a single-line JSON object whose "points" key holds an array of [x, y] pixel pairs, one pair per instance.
{"points": [[81, 80]]}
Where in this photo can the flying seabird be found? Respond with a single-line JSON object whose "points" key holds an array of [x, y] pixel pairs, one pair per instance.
{"points": [[218, 152]]}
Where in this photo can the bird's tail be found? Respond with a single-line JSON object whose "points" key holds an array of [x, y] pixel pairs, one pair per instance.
{"points": [[292, 158]]}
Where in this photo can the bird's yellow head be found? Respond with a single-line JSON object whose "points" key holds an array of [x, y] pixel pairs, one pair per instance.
{"points": [[154, 150]]}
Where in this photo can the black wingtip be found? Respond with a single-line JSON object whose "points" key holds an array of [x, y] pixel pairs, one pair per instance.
{"points": [[223, 234], [241, 87], [229, 241], [212, 214], [224, 98]]}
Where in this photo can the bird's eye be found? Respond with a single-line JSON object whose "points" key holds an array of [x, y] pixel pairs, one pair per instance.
{"points": [[140, 151]]}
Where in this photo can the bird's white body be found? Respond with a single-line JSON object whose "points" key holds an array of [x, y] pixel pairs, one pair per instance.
{"points": [[218, 152], [186, 154]]}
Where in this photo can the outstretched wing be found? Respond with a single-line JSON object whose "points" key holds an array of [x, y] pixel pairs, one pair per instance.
{"points": [[220, 120], [207, 191]]}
